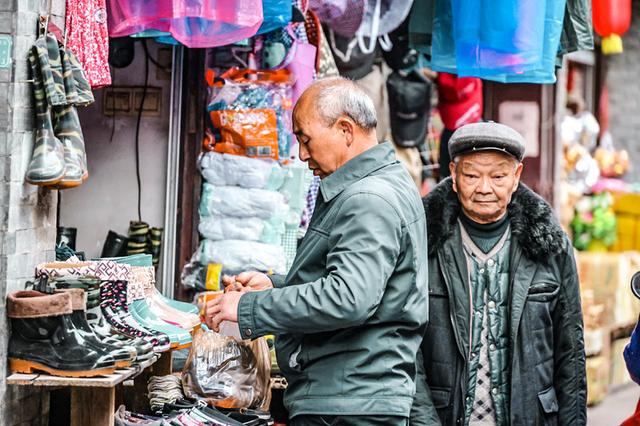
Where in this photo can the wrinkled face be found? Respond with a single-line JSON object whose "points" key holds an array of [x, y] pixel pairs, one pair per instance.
{"points": [[485, 182], [323, 148]]}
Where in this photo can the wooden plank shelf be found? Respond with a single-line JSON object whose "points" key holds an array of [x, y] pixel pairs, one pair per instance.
{"points": [[107, 381], [93, 399]]}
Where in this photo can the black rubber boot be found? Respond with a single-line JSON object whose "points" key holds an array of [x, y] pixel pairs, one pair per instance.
{"points": [[44, 338]]}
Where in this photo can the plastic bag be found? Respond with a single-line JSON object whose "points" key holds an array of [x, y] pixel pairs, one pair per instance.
{"points": [[194, 23], [241, 255], [250, 114], [276, 14], [267, 231], [228, 373], [235, 170], [240, 202]]}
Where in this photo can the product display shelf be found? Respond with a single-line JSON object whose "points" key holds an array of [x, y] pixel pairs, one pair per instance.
{"points": [[93, 399]]}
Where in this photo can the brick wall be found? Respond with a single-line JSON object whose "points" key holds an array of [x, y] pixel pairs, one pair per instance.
{"points": [[27, 213], [624, 94]]}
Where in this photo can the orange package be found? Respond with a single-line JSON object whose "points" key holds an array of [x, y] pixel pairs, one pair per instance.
{"points": [[250, 132]]}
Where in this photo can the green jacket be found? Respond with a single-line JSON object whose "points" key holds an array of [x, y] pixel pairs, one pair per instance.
{"points": [[350, 315], [546, 347]]}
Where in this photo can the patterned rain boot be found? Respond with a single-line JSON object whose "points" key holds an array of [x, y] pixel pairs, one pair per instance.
{"points": [[47, 165], [67, 129], [113, 301]]}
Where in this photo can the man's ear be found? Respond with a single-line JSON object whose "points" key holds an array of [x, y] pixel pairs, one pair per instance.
{"points": [[518, 174], [347, 128], [452, 170]]}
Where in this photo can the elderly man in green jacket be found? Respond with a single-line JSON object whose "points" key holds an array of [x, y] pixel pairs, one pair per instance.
{"points": [[504, 345], [350, 315]]}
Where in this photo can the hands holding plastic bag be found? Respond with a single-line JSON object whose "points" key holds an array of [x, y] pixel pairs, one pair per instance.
{"points": [[225, 306]]}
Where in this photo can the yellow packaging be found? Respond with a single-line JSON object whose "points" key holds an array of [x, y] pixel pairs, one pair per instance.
{"points": [[214, 276], [598, 368]]}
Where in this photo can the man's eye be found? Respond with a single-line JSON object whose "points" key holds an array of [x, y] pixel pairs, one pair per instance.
{"points": [[468, 176], [499, 177]]}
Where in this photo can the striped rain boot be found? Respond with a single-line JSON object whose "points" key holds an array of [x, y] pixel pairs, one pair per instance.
{"points": [[138, 238]]}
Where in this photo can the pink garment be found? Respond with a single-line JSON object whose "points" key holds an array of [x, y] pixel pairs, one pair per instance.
{"points": [[88, 38]]}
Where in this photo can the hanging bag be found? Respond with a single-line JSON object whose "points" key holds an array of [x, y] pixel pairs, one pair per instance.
{"points": [[300, 62]]}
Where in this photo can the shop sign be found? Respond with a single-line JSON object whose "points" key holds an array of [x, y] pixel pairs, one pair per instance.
{"points": [[523, 116], [5, 51]]}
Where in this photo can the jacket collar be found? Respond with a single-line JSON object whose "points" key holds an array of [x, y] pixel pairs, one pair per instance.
{"points": [[357, 168], [533, 224]]}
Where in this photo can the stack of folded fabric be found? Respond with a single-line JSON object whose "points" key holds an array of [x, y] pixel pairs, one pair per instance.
{"points": [[163, 390], [193, 414]]}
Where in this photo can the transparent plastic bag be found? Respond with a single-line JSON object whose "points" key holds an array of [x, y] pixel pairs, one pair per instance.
{"points": [[194, 23], [228, 373], [276, 14], [249, 114]]}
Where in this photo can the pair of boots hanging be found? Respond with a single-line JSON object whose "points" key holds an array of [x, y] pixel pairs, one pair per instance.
{"points": [[59, 158]]}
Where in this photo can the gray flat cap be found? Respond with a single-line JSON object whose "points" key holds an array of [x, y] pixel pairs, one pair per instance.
{"points": [[486, 136]]}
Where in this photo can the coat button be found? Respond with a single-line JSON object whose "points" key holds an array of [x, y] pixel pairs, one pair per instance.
{"points": [[494, 391], [491, 304], [492, 347], [482, 270], [490, 262], [248, 332]]}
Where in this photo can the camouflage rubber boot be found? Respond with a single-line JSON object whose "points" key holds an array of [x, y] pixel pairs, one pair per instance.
{"points": [[47, 164], [67, 129]]}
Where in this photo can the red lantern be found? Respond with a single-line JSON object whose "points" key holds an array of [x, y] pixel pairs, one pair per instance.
{"points": [[611, 19]]}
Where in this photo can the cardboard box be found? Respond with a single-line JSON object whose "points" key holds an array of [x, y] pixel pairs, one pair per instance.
{"points": [[608, 276], [598, 372], [619, 373]]}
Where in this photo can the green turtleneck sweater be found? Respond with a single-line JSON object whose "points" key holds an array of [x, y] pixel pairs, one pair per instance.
{"points": [[485, 235]]}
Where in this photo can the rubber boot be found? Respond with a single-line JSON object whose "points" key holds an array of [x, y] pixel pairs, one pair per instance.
{"points": [[123, 356], [114, 245], [138, 238], [67, 129], [44, 338], [47, 164], [155, 240], [93, 318]]}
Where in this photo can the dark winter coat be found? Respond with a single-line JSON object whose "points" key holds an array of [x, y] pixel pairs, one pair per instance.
{"points": [[546, 348]]}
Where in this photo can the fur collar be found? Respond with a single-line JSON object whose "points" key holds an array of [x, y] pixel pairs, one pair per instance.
{"points": [[533, 224]]}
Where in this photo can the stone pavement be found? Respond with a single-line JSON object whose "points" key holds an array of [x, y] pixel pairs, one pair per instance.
{"points": [[616, 407]]}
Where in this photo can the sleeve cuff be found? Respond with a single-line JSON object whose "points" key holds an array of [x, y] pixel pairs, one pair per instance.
{"points": [[277, 280], [245, 316]]}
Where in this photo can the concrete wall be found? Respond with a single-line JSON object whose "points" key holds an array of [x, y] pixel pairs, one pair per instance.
{"points": [[27, 214], [108, 200], [624, 95]]}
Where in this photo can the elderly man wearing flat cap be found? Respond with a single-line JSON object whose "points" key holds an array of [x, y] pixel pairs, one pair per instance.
{"points": [[504, 344]]}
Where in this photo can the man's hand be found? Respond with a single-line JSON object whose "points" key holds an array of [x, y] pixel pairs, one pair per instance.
{"points": [[247, 281], [222, 308]]}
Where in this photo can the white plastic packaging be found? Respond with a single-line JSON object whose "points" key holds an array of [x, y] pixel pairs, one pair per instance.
{"points": [[236, 170], [243, 255], [241, 202]]}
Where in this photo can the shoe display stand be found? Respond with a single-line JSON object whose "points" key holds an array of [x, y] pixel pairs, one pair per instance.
{"points": [[94, 400]]}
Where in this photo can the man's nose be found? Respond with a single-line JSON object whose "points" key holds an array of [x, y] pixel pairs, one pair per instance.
{"points": [[303, 153], [484, 186]]}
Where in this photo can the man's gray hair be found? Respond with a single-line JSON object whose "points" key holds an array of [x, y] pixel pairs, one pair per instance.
{"points": [[338, 96]]}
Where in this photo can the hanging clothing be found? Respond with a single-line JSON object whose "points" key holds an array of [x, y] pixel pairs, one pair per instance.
{"points": [[88, 39]]}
